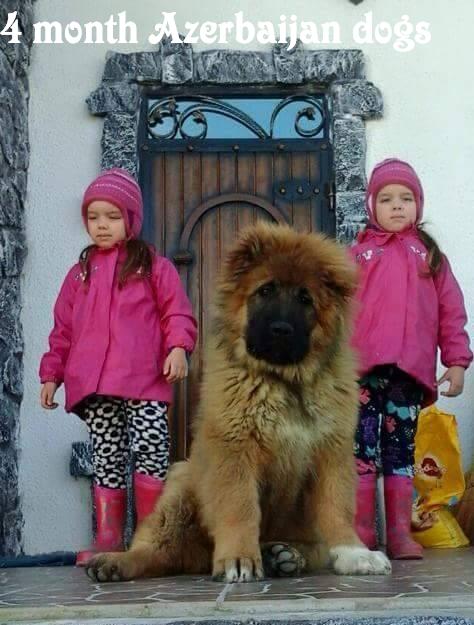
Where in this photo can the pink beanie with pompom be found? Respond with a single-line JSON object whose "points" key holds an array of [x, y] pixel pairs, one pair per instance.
{"points": [[393, 171], [121, 189]]}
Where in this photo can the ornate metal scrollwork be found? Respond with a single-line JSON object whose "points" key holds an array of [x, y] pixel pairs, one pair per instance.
{"points": [[308, 112], [196, 112]]}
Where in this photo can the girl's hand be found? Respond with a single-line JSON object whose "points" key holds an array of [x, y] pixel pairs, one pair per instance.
{"points": [[176, 365], [455, 377], [47, 395]]}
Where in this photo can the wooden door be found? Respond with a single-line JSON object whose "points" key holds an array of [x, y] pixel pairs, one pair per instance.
{"points": [[197, 201]]}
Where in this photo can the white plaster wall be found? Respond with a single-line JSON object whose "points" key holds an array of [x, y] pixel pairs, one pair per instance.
{"points": [[429, 120]]}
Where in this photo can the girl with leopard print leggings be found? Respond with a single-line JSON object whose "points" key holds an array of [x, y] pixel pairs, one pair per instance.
{"points": [[121, 427], [123, 326]]}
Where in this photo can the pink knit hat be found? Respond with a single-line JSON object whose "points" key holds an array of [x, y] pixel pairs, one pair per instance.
{"points": [[119, 188], [393, 171]]}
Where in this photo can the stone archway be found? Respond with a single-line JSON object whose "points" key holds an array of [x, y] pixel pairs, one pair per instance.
{"points": [[354, 100]]}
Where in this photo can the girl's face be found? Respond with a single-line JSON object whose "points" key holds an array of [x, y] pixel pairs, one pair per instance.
{"points": [[105, 223], [395, 208]]}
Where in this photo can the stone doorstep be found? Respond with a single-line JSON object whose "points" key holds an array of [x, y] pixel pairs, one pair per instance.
{"points": [[306, 612], [441, 584]]}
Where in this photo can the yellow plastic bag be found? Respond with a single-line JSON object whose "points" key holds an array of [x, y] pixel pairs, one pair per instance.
{"points": [[439, 480], [443, 531], [439, 477]]}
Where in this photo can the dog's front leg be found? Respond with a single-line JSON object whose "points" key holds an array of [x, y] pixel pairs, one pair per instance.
{"points": [[231, 511], [333, 505]]}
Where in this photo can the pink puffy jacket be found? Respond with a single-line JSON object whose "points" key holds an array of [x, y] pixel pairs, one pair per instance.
{"points": [[402, 316], [113, 341]]}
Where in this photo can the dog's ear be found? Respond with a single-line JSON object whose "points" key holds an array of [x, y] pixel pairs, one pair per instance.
{"points": [[246, 253], [340, 274]]}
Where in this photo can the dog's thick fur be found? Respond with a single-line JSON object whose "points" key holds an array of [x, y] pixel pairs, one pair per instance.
{"points": [[271, 458]]}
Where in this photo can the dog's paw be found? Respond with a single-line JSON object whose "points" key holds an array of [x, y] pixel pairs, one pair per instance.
{"points": [[110, 567], [282, 560], [238, 569], [355, 560]]}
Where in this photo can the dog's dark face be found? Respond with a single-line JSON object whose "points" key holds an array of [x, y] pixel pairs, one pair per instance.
{"points": [[283, 301], [279, 323]]}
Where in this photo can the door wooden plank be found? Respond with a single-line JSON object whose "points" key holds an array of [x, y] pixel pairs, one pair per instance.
{"points": [[192, 197], [158, 202], [173, 181], [245, 184], [264, 175], [318, 222], [227, 213], [281, 174], [264, 181], [301, 208], [210, 244]]}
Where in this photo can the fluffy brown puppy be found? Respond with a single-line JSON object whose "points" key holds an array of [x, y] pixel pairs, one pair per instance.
{"points": [[271, 460]]}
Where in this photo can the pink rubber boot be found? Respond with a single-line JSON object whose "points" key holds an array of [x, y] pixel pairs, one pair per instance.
{"points": [[110, 510], [147, 490], [398, 505], [365, 509]]}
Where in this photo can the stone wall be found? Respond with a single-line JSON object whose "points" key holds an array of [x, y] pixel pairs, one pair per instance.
{"points": [[14, 151]]}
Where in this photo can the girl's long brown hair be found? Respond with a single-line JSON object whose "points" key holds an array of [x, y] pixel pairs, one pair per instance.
{"points": [[435, 255], [138, 261]]}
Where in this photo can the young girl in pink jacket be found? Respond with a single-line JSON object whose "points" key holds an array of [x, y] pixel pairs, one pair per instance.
{"points": [[409, 304], [122, 328]]}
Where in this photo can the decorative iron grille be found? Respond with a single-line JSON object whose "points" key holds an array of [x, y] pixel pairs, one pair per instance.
{"points": [[188, 122]]}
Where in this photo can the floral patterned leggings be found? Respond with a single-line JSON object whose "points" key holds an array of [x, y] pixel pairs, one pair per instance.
{"points": [[390, 401]]}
